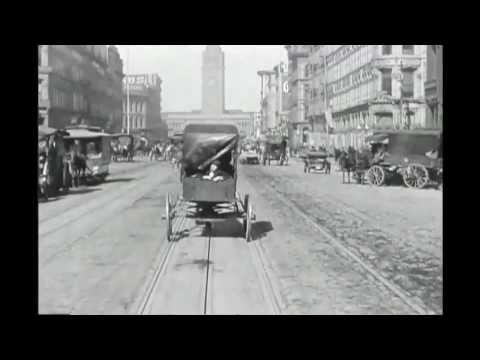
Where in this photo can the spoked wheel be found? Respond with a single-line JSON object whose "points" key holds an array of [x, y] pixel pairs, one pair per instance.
{"points": [[168, 217], [416, 176], [376, 175]]}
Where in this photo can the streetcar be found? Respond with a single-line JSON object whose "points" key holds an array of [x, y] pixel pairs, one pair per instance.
{"points": [[95, 148], [209, 173]]}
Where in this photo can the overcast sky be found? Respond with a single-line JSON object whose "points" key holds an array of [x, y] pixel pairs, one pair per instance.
{"points": [[179, 66]]}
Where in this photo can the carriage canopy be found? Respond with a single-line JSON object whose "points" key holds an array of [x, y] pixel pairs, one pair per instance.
{"points": [[205, 143]]}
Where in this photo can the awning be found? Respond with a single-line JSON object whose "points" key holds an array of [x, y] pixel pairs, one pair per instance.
{"points": [[376, 138], [85, 134], [44, 131]]}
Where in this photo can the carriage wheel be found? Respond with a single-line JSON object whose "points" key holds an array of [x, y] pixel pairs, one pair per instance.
{"points": [[248, 223], [168, 217], [376, 175], [415, 175]]}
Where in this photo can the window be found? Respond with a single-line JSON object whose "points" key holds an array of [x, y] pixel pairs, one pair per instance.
{"points": [[386, 49], [407, 84], [387, 81], [407, 49]]}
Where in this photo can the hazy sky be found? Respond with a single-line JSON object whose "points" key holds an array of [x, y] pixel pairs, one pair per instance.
{"points": [[179, 66]]}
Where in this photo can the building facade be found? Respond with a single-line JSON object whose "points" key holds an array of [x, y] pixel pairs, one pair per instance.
{"points": [[434, 87], [368, 87], [213, 99], [144, 99], [298, 125], [275, 86], [80, 84]]}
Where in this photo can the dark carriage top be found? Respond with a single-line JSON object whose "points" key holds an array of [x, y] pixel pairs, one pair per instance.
{"points": [[205, 143], [274, 140], [410, 146], [314, 155]]}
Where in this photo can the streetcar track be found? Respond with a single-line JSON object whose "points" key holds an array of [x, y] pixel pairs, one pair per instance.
{"points": [[92, 231], [415, 304], [209, 246], [79, 201], [109, 198], [162, 262], [270, 291]]}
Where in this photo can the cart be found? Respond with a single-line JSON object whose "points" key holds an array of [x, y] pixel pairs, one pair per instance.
{"points": [[211, 201]]}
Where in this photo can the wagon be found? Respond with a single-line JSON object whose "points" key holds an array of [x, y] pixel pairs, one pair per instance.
{"points": [[122, 147], [95, 146], [273, 150], [316, 161], [208, 200], [413, 157]]}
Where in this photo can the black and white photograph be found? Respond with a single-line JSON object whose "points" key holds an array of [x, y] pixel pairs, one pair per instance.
{"points": [[240, 180]]}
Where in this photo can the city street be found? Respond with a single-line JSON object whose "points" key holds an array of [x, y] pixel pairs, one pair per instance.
{"points": [[319, 247]]}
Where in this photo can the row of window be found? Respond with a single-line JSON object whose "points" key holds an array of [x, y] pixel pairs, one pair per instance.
{"points": [[361, 57], [355, 120], [406, 49], [79, 102], [407, 82], [136, 122], [353, 79], [135, 106], [354, 96], [342, 53]]}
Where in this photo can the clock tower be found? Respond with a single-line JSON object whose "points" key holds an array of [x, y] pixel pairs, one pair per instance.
{"points": [[213, 81]]}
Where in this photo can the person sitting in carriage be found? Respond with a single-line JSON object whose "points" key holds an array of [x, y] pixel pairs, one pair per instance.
{"points": [[215, 173], [380, 154]]}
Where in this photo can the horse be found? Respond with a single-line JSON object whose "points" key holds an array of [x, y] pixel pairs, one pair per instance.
{"points": [[347, 162]]}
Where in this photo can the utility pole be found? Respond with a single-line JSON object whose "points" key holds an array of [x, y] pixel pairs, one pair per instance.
{"points": [[325, 99], [400, 78], [128, 92]]}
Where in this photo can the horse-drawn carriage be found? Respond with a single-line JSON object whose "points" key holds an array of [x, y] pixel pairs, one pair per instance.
{"points": [[122, 147], [274, 148], [209, 177], [412, 157], [316, 161], [53, 168], [91, 153]]}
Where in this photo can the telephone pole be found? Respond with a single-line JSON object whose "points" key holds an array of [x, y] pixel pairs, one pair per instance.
{"points": [[128, 91]]}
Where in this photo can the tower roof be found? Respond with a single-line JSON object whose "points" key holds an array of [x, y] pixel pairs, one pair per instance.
{"points": [[213, 49]]}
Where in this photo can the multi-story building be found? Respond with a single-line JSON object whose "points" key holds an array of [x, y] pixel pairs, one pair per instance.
{"points": [[368, 87], [434, 87], [80, 84], [298, 124], [274, 89], [144, 98]]}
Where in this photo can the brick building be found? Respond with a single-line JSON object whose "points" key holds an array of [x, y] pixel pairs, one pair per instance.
{"points": [[80, 84]]}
